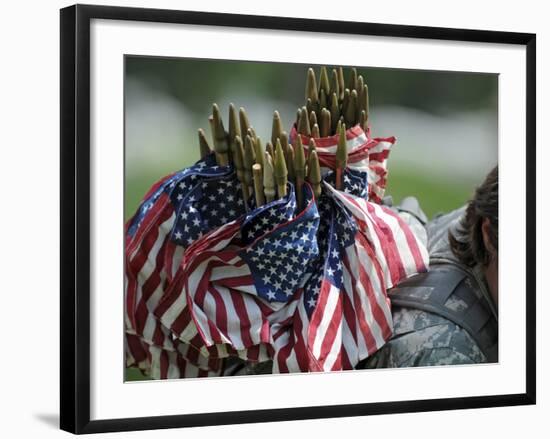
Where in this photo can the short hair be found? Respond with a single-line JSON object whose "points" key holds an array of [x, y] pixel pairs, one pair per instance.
{"points": [[467, 240]]}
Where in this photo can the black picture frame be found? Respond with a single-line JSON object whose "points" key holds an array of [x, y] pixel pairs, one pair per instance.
{"points": [[75, 217]]}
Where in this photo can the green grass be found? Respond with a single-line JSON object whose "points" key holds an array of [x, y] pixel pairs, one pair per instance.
{"points": [[134, 374], [434, 194], [137, 187]]}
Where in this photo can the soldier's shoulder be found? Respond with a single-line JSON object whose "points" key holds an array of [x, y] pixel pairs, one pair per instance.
{"points": [[425, 339], [421, 332], [438, 233], [407, 320]]}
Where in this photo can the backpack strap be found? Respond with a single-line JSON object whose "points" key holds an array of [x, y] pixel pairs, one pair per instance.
{"points": [[450, 292]]}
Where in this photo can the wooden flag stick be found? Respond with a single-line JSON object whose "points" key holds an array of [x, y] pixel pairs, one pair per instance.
{"points": [[324, 83], [312, 119], [311, 90], [249, 160], [334, 113], [325, 123], [203, 144], [352, 85], [315, 131], [334, 84], [341, 155], [238, 157], [258, 184], [299, 169], [219, 137], [280, 172], [269, 149], [277, 127], [259, 155], [341, 84], [303, 123], [351, 109], [269, 180], [243, 121], [289, 160], [314, 174]]}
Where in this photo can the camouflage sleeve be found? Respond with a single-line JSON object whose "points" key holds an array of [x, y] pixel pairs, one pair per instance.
{"points": [[425, 339]]}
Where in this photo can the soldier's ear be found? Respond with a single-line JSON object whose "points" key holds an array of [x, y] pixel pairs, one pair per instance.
{"points": [[486, 232]]}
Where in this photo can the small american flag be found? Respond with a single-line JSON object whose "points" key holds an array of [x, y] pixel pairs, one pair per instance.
{"points": [[365, 153], [205, 280], [343, 313], [176, 211]]}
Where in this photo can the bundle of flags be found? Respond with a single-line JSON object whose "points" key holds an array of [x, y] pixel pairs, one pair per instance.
{"points": [[299, 280]]}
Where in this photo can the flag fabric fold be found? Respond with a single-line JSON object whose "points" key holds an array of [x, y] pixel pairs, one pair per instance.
{"points": [[365, 153], [176, 211], [343, 313]]}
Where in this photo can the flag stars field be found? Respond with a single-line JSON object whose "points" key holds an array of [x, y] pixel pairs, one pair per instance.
{"points": [[276, 263]]}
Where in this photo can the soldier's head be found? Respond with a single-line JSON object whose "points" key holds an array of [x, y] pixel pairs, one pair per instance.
{"points": [[476, 242]]}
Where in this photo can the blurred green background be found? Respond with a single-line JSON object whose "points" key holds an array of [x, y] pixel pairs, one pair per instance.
{"points": [[445, 122]]}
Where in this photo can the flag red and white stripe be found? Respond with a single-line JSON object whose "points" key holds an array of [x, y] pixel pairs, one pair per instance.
{"points": [[365, 153], [352, 322]]}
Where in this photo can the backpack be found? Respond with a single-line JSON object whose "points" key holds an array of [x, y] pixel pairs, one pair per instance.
{"points": [[451, 290]]}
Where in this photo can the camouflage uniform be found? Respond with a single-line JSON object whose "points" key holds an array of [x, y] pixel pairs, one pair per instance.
{"points": [[443, 317]]}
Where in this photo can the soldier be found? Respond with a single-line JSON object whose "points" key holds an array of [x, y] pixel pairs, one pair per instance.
{"points": [[449, 314]]}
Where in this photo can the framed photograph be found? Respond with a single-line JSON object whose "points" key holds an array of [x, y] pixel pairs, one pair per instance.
{"points": [[339, 213]]}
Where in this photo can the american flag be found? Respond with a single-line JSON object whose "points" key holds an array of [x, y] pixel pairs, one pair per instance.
{"points": [[206, 280], [175, 212], [234, 282], [365, 153], [343, 314]]}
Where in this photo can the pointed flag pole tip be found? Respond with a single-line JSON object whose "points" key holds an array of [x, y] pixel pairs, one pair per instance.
{"points": [[280, 171]]}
